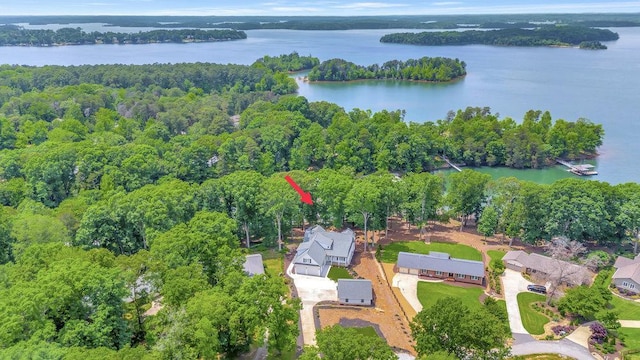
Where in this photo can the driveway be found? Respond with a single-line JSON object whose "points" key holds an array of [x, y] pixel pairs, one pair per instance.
{"points": [[408, 285], [562, 347], [311, 290], [512, 284]]}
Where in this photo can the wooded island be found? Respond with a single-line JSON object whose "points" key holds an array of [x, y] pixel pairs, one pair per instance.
{"points": [[426, 69], [542, 36]]}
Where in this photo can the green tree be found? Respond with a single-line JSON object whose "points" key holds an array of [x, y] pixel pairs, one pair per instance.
{"points": [[451, 326], [488, 221], [277, 199], [466, 193], [422, 198], [584, 301], [364, 199], [340, 343]]}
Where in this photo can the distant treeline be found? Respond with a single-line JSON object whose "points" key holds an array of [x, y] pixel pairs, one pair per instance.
{"points": [[340, 22], [11, 35], [543, 36], [426, 69]]}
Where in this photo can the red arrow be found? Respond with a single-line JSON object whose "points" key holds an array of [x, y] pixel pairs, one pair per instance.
{"points": [[305, 197]]}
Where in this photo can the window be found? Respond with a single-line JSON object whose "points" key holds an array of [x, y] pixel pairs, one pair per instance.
{"points": [[632, 286], [362, 301], [625, 284], [439, 273], [475, 277], [306, 261], [460, 276]]}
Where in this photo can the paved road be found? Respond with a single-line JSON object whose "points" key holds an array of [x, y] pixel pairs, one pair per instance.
{"points": [[513, 283]]}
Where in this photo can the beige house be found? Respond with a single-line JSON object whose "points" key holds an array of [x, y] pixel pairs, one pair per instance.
{"points": [[546, 267], [627, 275]]}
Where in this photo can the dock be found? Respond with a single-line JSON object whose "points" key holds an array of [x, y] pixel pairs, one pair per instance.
{"points": [[450, 163], [580, 170]]}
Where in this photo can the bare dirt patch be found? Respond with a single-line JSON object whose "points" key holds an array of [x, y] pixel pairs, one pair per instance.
{"points": [[386, 312]]}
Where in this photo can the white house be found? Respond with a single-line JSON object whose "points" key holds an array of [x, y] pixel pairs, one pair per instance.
{"points": [[320, 249], [355, 292]]}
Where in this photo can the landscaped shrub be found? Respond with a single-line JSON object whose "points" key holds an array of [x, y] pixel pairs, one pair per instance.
{"points": [[598, 333], [562, 330]]}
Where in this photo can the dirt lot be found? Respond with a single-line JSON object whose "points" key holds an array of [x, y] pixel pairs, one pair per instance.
{"points": [[386, 313]]}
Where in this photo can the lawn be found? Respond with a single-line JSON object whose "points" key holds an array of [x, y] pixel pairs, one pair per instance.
{"points": [[532, 320], [627, 309], [274, 267], [496, 254], [366, 331], [390, 252], [631, 337], [337, 272], [429, 293]]}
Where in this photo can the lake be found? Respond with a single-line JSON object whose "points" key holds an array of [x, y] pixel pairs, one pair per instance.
{"points": [[602, 86]]}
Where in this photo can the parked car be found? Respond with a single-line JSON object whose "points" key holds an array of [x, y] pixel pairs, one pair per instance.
{"points": [[537, 288]]}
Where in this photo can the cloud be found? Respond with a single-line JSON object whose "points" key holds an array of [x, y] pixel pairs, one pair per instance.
{"points": [[369, 5], [447, 3]]}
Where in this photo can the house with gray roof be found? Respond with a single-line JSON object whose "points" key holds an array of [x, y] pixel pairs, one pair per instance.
{"points": [[321, 248], [627, 275], [547, 267], [441, 265], [355, 292], [253, 265]]}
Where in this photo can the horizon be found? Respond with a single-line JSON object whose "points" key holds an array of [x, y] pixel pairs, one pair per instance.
{"points": [[311, 9]]}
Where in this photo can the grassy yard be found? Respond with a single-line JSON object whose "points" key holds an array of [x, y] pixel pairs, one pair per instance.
{"points": [[496, 254], [627, 309], [631, 337], [390, 252], [429, 293], [532, 320], [274, 266], [337, 272], [366, 331]]}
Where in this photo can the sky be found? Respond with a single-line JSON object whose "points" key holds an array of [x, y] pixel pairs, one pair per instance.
{"points": [[308, 8]]}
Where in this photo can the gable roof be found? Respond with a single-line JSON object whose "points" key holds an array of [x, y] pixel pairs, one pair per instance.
{"points": [[622, 261], [576, 274], [319, 243], [437, 262], [253, 265], [355, 289], [628, 272]]}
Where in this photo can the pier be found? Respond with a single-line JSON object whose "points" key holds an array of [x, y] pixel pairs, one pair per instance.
{"points": [[580, 170], [450, 163]]}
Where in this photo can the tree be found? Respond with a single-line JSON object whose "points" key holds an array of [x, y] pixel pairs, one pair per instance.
{"points": [[240, 191], [422, 197], [488, 222], [276, 200], [340, 343], [466, 194], [451, 326], [629, 215], [562, 251], [363, 198]]}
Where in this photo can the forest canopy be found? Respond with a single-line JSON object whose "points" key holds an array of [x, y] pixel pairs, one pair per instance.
{"points": [[542, 36], [122, 184], [426, 69]]}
